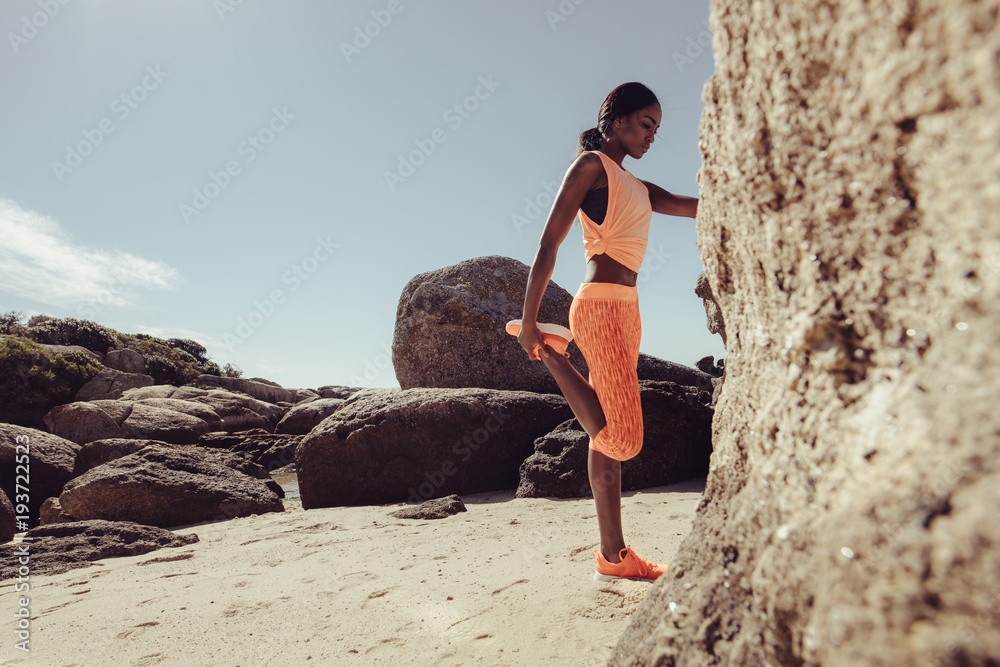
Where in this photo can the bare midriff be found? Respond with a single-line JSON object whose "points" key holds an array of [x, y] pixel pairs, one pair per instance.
{"points": [[603, 269]]}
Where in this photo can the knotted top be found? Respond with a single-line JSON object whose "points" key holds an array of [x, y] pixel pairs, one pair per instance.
{"points": [[623, 234]]}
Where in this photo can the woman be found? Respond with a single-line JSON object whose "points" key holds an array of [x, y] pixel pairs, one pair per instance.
{"points": [[615, 210]]}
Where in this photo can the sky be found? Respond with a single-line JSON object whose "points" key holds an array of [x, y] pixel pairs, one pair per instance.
{"points": [[265, 177]]}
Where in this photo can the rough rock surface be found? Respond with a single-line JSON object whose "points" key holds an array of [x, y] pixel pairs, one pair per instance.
{"points": [[438, 508], [269, 450], [51, 512], [99, 452], [305, 415], [125, 360], [50, 464], [848, 228], [61, 547], [337, 391], [164, 487], [7, 518], [465, 307], [677, 444], [715, 323], [410, 445], [262, 390], [110, 383]]}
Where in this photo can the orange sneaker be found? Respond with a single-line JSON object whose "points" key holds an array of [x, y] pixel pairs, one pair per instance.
{"points": [[555, 336], [631, 567]]}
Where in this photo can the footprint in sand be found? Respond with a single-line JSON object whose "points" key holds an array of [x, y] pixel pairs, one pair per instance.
{"points": [[337, 583]]}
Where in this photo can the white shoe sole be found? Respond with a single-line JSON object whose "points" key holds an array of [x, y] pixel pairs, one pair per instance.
{"points": [[610, 577], [549, 328]]}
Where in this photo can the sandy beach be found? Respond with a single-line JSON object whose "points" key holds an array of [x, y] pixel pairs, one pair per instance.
{"points": [[509, 582]]}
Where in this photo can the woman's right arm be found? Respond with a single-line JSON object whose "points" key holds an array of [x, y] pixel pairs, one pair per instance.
{"points": [[579, 178]]}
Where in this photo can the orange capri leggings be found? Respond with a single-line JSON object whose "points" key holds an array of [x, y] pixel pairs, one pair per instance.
{"points": [[604, 319]]}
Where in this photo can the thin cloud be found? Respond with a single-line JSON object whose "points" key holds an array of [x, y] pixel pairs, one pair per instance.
{"points": [[39, 261]]}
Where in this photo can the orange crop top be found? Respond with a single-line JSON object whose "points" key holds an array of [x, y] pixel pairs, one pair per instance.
{"points": [[623, 234]]}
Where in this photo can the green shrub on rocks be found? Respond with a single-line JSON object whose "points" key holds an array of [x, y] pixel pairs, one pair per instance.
{"points": [[71, 331], [195, 349], [11, 324], [33, 381]]}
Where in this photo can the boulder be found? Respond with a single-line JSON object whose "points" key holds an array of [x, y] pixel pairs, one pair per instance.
{"points": [[51, 512], [160, 486], [81, 422], [848, 229], [65, 546], [240, 412], [94, 453], [677, 444], [337, 391], [155, 423], [410, 445], [193, 408], [263, 390], [153, 391], [304, 416], [50, 464], [654, 368], [438, 508], [100, 452], [464, 308], [110, 383], [127, 361]]}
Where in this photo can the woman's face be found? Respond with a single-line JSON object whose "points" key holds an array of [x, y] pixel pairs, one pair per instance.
{"points": [[638, 130]]}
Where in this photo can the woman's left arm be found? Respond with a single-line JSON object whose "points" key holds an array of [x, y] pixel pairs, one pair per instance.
{"points": [[669, 204]]}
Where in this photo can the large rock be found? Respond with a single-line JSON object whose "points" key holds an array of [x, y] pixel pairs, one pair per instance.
{"points": [[82, 422], [416, 444], [127, 361], [259, 388], [713, 314], [240, 412], [337, 391], [49, 463], [848, 229], [100, 452], [65, 546], [676, 446], [165, 487], [306, 415], [156, 423], [450, 328], [110, 383]]}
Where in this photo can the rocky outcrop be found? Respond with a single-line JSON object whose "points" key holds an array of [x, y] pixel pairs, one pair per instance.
{"points": [[125, 360], [165, 487], [302, 418], [337, 391], [848, 230], [174, 415], [263, 390], [110, 383], [450, 328], [66, 546], [416, 444], [676, 446], [49, 464], [438, 508]]}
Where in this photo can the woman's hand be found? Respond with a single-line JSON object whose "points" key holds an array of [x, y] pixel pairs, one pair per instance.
{"points": [[530, 338]]}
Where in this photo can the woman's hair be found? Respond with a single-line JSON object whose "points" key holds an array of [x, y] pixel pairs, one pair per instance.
{"points": [[621, 101]]}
